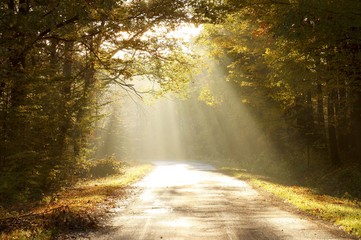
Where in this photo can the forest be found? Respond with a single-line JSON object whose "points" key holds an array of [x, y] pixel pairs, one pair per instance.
{"points": [[293, 66]]}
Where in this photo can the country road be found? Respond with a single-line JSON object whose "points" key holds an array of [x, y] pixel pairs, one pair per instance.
{"points": [[191, 201]]}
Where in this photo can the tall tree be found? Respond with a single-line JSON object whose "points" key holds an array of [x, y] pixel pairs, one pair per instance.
{"points": [[57, 58]]}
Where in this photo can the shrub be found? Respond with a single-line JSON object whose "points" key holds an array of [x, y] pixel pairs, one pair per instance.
{"points": [[344, 181], [105, 167]]}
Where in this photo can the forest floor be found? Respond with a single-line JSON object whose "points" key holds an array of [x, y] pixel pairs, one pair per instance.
{"points": [[76, 209], [341, 211]]}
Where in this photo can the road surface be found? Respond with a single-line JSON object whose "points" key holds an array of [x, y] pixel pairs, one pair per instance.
{"points": [[190, 201]]}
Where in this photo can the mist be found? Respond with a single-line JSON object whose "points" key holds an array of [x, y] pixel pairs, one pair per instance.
{"points": [[213, 125]]}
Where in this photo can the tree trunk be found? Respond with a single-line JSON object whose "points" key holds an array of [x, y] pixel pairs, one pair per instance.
{"points": [[342, 114], [87, 96], [332, 136], [356, 127], [65, 115], [320, 113]]}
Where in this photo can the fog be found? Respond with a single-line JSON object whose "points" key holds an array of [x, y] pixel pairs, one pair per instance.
{"points": [[208, 125], [212, 123]]}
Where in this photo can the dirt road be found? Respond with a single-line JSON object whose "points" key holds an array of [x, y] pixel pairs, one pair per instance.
{"points": [[190, 201]]}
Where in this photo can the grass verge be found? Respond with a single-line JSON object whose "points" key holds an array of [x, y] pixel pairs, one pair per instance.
{"points": [[79, 208], [343, 212]]}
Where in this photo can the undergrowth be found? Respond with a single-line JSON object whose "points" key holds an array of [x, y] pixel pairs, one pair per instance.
{"points": [[76, 208]]}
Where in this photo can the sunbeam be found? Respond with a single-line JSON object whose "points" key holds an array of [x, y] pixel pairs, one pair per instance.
{"points": [[178, 129], [213, 123]]}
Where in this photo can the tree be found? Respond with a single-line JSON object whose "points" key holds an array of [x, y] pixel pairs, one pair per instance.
{"points": [[285, 52], [57, 59]]}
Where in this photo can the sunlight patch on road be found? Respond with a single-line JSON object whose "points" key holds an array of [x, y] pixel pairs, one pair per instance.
{"points": [[292, 222], [158, 210], [171, 176], [232, 182], [182, 222]]}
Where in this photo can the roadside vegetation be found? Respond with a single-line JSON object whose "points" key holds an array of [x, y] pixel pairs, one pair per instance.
{"points": [[78, 208], [342, 210]]}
